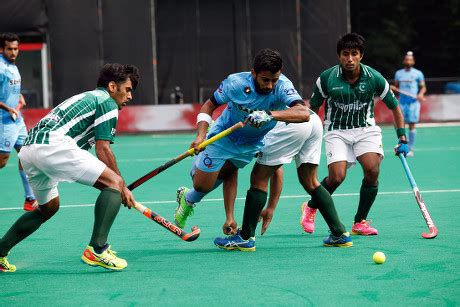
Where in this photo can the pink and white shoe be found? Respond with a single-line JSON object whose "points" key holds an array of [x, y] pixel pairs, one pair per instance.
{"points": [[363, 228], [307, 220]]}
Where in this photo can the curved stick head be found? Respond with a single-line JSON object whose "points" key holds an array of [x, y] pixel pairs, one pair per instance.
{"points": [[192, 236], [433, 233]]}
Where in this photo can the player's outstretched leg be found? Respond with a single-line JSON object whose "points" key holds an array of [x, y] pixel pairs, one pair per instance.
{"points": [[21, 229], [184, 208], [307, 219]]}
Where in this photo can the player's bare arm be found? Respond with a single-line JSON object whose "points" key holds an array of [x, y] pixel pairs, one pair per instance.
{"points": [[203, 122], [276, 186], [13, 112], [295, 114], [398, 118], [105, 154]]}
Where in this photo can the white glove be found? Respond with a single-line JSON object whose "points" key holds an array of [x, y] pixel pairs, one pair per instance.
{"points": [[259, 118]]}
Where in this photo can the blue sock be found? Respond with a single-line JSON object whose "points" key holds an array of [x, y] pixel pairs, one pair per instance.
{"points": [[194, 196], [412, 135], [27, 190]]}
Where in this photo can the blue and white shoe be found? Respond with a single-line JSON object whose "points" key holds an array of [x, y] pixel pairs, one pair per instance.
{"points": [[236, 242], [343, 241]]}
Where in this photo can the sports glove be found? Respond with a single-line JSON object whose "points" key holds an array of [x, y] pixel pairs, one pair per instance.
{"points": [[401, 148], [259, 118]]}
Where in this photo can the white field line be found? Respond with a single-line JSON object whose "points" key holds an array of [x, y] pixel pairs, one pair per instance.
{"points": [[303, 196]]}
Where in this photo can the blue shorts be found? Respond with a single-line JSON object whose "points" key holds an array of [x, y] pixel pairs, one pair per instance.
{"points": [[12, 135], [213, 157], [411, 112]]}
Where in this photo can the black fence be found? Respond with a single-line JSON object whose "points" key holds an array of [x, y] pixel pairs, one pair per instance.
{"points": [[191, 44]]}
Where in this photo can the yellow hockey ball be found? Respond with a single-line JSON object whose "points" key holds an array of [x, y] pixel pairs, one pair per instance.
{"points": [[379, 257]]}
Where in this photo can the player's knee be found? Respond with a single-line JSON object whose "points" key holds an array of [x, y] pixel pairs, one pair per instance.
{"points": [[202, 188], [371, 176], [3, 162], [116, 183], [49, 209], [334, 180]]}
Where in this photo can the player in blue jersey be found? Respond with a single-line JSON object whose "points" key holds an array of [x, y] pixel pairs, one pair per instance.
{"points": [[13, 130], [263, 96], [410, 83]]}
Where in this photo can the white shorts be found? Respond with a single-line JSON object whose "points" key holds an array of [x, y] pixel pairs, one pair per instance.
{"points": [[346, 145], [299, 141], [47, 165]]}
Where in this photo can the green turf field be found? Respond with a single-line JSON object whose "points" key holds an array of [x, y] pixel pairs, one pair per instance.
{"points": [[289, 266]]}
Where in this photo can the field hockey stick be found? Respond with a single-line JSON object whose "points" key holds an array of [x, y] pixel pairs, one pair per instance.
{"points": [[192, 236], [394, 88], [189, 237], [421, 203], [186, 154]]}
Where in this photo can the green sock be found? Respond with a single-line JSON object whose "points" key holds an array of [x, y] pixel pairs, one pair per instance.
{"points": [[24, 226], [326, 207], [105, 211], [366, 199], [312, 203], [255, 202]]}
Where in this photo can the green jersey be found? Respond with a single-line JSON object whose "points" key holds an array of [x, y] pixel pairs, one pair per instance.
{"points": [[86, 118], [348, 105]]}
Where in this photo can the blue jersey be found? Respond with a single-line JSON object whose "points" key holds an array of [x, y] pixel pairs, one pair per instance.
{"points": [[409, 81], [239, 92], [10, 88]]}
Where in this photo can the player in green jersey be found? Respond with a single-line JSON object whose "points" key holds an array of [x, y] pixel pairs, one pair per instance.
{"points": [[56, 150], [351, 134]]}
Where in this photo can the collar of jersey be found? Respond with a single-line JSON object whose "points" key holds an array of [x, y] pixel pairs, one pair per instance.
{"points": [[363, 72], [102, 89]]}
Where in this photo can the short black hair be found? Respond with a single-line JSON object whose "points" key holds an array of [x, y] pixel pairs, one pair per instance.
{"points": [[8, 37], [118, 73], [351, 41], [267, 60]]}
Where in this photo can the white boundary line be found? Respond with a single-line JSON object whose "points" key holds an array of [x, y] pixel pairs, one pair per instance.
{"points": [[304, 196]]}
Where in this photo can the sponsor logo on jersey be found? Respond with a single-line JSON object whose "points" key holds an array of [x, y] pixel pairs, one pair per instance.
{"points": [[15, 81], [337, 88], [290, 91], [247, 90], [113, 131], [355, 106]]}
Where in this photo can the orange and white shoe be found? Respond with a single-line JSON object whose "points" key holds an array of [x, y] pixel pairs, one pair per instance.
{"points": [[30, 204], [307, 220], [363, 228], [107, 259]]}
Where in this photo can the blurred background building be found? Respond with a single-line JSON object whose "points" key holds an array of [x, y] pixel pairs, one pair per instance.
{"points": [[194, 44]]}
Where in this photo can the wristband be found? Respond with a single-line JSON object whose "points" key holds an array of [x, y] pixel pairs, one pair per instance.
{"points": [[203, 117], [400, 132]]}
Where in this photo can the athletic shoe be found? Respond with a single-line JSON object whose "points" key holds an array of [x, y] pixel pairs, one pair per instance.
{"points": [[5, 266], [236, 242], [30, 204], [307, 220], [184, 208], [106, 259], [343, 241], [410, 153], [363, 228]]}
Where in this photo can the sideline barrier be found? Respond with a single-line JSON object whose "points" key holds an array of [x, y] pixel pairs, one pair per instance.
{"points": [[162, 118]]}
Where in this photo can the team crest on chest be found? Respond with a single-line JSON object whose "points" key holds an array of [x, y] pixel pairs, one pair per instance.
{"points": [[362, 87]]}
